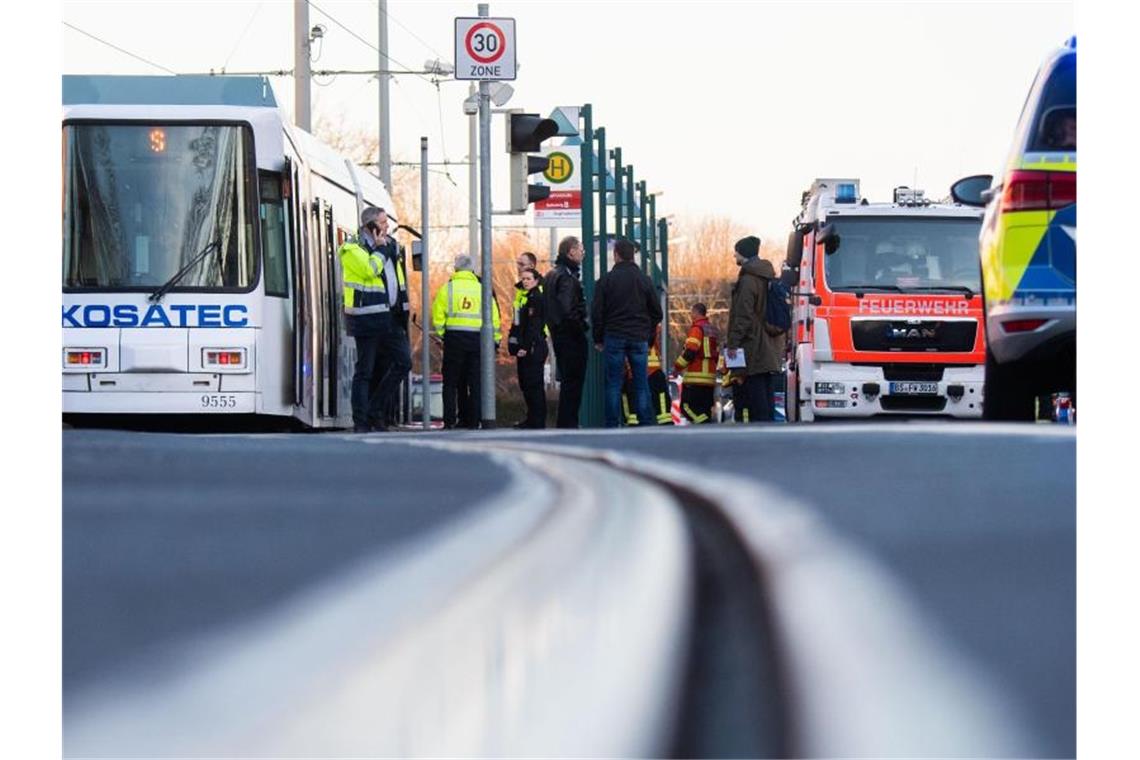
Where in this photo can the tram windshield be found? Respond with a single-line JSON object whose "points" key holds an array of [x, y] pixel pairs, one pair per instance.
{"points": [[143, 201]]}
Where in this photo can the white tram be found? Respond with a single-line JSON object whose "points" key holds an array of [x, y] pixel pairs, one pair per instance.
{"points": [[200, 231]]}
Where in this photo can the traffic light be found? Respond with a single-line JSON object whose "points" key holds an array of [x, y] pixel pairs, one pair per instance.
{"points": [[525, 133]]}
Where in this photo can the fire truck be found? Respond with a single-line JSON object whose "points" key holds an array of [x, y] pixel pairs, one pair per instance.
{"points": [[887, 306]]}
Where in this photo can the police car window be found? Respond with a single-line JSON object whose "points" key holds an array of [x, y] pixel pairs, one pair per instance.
{"points": [[1056, 124], [143, 200]]}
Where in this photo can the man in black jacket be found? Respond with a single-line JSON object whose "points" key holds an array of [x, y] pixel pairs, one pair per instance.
{"points": [[566, 316], [625, 315]]}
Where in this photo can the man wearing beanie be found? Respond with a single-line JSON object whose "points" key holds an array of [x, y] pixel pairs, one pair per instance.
{"points": [[763, 352]]}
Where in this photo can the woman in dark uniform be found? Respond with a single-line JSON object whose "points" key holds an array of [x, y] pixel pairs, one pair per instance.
{"points": [[532, 351]]}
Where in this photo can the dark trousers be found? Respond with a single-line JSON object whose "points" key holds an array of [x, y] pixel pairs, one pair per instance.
{"points": [[571, 353], [396, 355], [382, 361], [530, 382], [697, 403], [658, 400], [461, 379], [752, 399]]}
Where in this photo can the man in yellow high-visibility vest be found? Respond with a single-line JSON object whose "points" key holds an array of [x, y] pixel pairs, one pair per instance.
{"points": [[457, 316], [376, 316]]}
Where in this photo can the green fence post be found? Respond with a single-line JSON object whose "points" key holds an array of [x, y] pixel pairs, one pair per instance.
{"points": [[590, 412], [603, 162], [619, 196], [629, 202], [653, 239], [643, 240]]}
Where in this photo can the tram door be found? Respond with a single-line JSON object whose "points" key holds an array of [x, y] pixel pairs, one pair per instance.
{"points": [[297, 276], [327, 312]]}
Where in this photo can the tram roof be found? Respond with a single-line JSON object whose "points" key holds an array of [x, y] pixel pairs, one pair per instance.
{"points": [[182, 89]]}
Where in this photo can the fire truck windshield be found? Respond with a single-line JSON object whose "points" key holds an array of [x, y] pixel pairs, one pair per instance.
{"points": [[141, 201], [905, 253]]}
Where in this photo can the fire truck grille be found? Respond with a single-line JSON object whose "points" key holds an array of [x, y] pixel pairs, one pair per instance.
{"points": [[913, 403], [915, 335]]}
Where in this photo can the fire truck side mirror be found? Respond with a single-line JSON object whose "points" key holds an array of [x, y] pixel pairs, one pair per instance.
{"points": [[830, 239], [795, 252], [971, 191]]}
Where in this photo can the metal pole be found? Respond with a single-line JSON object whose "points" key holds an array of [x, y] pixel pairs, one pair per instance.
{"points": [[425, 294], [385, 109], [472, 179], [619, 196], [486, 333], [553, 246], [302, 114], [603, 163]]}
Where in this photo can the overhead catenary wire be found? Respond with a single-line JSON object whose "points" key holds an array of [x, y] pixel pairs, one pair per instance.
{"points": [[418, 38], [116, 47], [244, 32], [387, 57]]}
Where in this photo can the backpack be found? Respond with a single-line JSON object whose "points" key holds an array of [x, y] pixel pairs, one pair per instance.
{"points": [[777, 307]]}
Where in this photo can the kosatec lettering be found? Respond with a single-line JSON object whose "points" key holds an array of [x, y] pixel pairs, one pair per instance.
{"points": [[155, 315]]}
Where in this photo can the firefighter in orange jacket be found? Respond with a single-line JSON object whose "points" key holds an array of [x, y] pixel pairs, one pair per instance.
{"points": [[658, 387], [698, 363]]}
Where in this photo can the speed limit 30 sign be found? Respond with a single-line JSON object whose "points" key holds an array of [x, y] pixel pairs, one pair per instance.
{"points": [[485, 48]]}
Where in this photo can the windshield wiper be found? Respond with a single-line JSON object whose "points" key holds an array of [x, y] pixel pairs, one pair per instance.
{"points": [[166, 286], [860, 289], [955, 288]]}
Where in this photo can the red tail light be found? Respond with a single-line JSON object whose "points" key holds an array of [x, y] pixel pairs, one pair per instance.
{"points": [[1027, 190], [1062, 189], [1022, 325], [215, 357]]}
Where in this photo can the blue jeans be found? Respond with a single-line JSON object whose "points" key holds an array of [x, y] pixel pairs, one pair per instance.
{"points": [[616, 351]]}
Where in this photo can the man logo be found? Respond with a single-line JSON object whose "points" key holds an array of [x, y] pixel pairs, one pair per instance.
{"points": [[912, 333]]}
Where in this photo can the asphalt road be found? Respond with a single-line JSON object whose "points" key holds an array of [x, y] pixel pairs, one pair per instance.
{"points": [[167, 535]]}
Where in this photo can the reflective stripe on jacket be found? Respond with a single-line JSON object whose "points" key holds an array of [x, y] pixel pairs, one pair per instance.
{"points": [[698, 359], [520, 299], [458, 306], [364, 291], [654, 364]]}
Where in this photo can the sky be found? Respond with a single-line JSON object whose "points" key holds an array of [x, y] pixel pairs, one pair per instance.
{"points": [[725, 108]]}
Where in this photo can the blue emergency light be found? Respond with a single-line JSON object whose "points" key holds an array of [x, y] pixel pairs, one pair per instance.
{"points": [[845, 192]]}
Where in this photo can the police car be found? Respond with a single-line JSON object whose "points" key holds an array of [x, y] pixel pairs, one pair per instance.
{"points": [[1028, 250]]}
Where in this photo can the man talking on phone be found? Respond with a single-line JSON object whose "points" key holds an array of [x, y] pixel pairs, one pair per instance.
{"points": [[376, 311]]}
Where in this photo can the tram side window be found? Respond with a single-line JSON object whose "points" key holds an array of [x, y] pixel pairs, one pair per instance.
{"points": [[273, 230]]}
